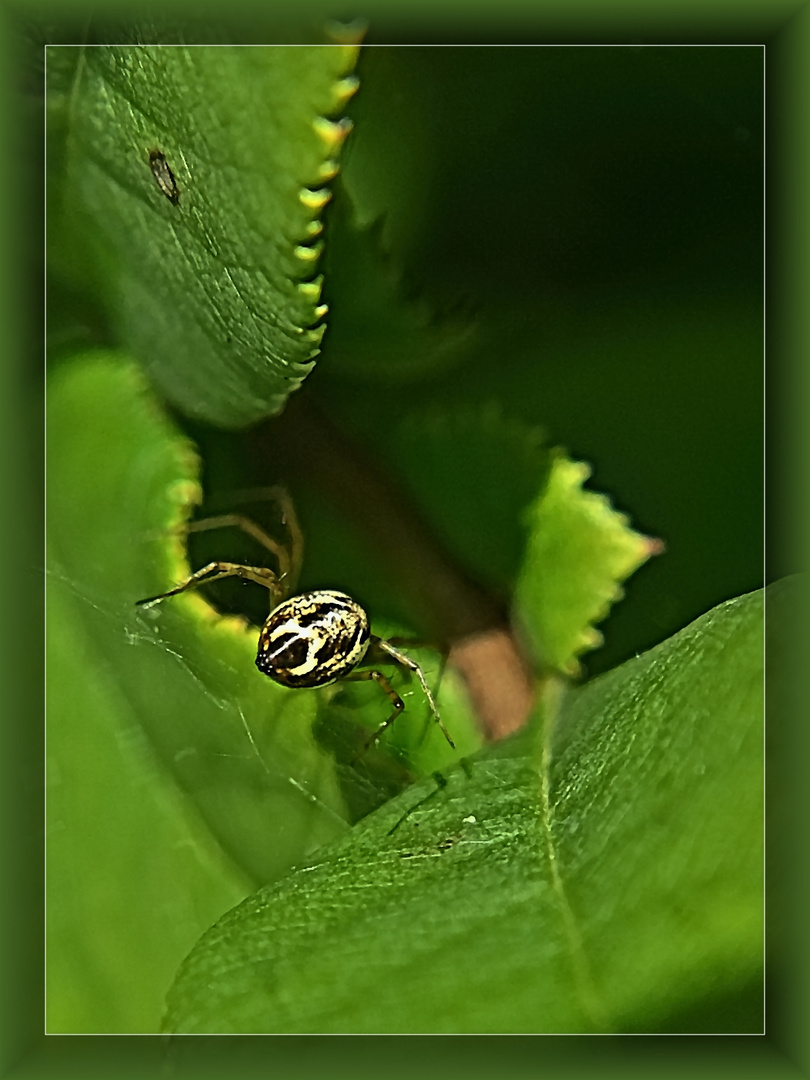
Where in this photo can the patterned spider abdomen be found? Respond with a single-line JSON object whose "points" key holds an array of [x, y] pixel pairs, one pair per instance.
{"points": [[313, 639]]}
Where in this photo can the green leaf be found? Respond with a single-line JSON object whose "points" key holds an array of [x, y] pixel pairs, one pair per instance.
{"points": [[381, 326], [377, 331], [514, 513], [134, 876], [579, 551], [388, 167], [214, 290], [237, 746], [608, 882], [476, 470]]}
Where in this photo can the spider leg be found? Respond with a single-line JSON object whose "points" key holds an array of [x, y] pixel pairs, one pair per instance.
{"points": [[289, 558], [289, 519], [393, 697], [420, 643], [407, 662], [215, 571], [239, 521]]}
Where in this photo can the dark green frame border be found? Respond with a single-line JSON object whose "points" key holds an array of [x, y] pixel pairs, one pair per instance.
{"points": [[784, 29]]}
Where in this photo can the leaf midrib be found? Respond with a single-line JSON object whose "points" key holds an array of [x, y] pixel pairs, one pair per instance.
{"points": [[591, 1001]]}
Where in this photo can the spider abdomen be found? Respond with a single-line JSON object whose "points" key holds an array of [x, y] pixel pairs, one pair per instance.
{"points": [[313, 639]]}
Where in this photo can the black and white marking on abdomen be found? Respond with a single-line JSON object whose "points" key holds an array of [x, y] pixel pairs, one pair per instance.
{"points": [[313, 639]]}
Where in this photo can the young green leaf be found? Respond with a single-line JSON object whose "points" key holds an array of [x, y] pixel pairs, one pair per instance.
{"points": [[579, 551]]}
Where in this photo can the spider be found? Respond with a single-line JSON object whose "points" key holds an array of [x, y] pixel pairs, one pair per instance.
{"points": [[311, 639]]}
